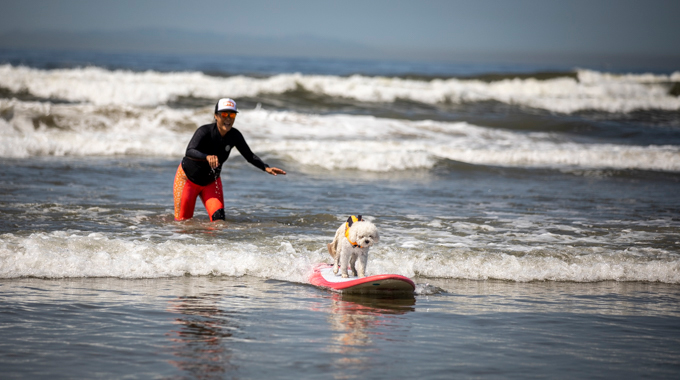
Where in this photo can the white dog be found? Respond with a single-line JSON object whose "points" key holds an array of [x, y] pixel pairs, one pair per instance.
{"points": [[351, 243]]}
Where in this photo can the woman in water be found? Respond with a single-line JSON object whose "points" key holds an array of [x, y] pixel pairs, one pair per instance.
{"points": [[199, 172]]}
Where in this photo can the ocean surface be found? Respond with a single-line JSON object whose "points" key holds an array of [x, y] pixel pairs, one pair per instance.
{"points": [[537, 208]]}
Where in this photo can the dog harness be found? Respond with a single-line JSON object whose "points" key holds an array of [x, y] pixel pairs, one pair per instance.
{"points": [[351, 220]]}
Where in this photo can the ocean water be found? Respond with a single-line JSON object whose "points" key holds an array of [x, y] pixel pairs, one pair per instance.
{"points": [[536, 208]]}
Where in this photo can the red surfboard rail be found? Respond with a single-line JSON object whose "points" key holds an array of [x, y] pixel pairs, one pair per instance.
{"points": [[370, 284]]}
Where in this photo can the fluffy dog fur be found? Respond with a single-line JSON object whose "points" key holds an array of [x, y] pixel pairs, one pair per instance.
{"points": [[365, 234]]}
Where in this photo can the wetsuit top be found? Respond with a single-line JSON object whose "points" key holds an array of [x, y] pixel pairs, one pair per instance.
{"points": [[208, 141]]}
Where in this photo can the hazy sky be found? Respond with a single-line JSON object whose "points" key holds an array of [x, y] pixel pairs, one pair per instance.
{"points": [[645, 27]]}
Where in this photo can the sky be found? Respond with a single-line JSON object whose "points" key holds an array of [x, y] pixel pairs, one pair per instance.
{"points": [[426, 30]]}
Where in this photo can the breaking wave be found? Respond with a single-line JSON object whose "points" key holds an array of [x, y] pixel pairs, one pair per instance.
{"points": [[590, 90], [375, 144], [77, 254]]}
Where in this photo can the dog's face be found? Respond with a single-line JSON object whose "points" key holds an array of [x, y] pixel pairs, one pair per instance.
{"points": [[364, 233]]}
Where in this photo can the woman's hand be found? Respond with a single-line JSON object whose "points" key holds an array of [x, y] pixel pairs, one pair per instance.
{"points": [[275, 171], [213, 161]]}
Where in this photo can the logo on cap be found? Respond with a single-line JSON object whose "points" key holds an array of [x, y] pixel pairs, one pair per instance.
{"points": [[225, 104]]}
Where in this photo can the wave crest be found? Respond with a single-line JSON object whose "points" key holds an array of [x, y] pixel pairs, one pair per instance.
{"points": [[329, 141], [75, 254], [589, 91]]}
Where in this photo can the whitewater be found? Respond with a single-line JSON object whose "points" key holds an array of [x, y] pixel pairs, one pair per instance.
{"points": [[590, 90], [43, 129]]}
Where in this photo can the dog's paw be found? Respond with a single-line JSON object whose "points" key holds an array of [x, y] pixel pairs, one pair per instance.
{"points": [[344, 275]]}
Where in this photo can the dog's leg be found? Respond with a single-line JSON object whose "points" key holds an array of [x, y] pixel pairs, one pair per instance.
{"points": [[344, 261], [362, 259], [352, 264], [336, 261]]}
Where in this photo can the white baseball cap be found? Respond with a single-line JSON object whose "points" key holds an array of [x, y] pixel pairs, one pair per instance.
{"points": [[225, 104]]}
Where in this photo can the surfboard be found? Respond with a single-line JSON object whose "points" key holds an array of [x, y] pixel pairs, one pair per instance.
{"points": [[324, 277]]}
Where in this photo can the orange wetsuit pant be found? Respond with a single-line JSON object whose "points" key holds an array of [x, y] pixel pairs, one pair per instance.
{"points": [[186, 193]]}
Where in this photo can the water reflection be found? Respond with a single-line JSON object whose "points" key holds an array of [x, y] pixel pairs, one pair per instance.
{"points": [[203, 329], [356, 321]]}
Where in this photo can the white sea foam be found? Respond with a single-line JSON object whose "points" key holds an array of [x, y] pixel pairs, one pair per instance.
{"points": [[582, 265], [81, 254], [74, 254], [591, 91], [374, 144], [39, 129]]}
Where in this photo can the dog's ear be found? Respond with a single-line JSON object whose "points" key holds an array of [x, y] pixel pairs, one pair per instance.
{"points": [[351, 220]]}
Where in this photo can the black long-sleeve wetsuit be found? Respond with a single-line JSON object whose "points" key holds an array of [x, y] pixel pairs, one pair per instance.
{"points": [[208, 141]]}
